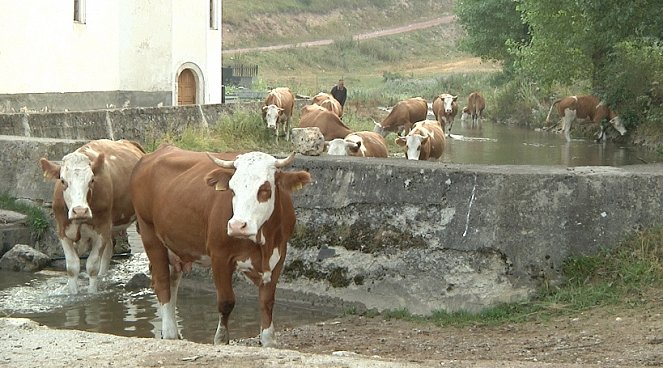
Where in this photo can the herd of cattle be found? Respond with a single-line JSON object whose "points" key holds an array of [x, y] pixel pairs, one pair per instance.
{"points": [[231, 211], [418, 136], [421, 139]]}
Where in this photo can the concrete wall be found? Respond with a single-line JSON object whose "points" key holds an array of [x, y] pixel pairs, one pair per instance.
{"points": [[391, 233], [81, 101]]}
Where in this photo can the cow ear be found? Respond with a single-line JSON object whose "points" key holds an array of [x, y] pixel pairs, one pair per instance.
{"points": [[98, 163], [353, 146], [51, 169], [400, 141], [455, 98], [264, 108], [292, 180], [218, 178]]}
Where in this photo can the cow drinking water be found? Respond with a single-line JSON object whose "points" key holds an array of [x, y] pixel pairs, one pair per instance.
{"points": [[583, 109], [231, 212]]}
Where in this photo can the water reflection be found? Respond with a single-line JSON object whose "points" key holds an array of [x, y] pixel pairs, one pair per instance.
{"points": [[497, 144]]}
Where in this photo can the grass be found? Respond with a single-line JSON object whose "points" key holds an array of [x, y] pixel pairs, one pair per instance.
{"points": [[626, 276], [37, 219]]}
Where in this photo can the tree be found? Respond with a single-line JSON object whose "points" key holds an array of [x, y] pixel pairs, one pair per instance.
{"points": [[492, 28]]}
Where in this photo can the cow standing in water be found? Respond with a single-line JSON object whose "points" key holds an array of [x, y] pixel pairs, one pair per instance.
{"points": [[445, 108], [231, 212], [277, 111], [91, 199], [583, 109], [425, 141], [474, 110]]}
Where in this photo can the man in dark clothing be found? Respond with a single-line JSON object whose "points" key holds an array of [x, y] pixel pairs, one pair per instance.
{"points": [[339, 92]]}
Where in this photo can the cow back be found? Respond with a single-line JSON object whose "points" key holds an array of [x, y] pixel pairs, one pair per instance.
{"points": [[330, 124], [405, 113], [373, 144]]}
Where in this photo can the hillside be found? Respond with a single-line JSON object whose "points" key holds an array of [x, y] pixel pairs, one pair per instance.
{"points": [[424, 52]]}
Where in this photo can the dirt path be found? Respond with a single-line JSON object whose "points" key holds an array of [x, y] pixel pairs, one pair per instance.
{"points": [[363, 36]]}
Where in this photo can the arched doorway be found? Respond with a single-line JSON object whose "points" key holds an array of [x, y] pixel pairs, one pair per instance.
{"points": [[186, 88]]}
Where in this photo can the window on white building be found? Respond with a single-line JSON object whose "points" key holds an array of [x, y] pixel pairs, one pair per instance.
{"points": [[214, 14], [79, 11]]}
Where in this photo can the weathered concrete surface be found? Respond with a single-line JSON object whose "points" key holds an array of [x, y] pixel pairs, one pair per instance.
{"points": [[75, 101], [391, 233]]}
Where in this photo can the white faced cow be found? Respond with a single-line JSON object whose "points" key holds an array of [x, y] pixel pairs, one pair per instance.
{"points": [[445, 108], [91, 199], [425, 141], [359, 144], [230, 212], [277, 111], [586, 108]]}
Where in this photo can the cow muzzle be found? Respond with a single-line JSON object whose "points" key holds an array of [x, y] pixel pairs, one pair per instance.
{"points": [[80, 213], [239, 229]]}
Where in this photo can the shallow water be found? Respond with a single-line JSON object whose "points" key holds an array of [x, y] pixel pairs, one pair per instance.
{"points": [[43, 297]]}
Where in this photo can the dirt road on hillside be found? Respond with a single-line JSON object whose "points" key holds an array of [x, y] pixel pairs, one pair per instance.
{"points": [[363, 36]]}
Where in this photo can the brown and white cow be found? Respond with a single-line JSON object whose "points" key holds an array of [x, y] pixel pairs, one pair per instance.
{"points": [[330, 124], [328, 101], [402, 116], [425, 141], [277, 110], [474, 110], [360, 144], [231, 212], [91, 199], [445, 108], [585, 108]]}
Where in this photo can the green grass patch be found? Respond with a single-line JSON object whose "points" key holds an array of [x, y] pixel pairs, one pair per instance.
{"points": [[37, 219]]}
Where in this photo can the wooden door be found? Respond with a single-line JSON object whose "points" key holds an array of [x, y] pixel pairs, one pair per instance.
{"points": [[186, 88]]}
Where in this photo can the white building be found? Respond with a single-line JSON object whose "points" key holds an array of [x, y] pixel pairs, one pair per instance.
{"points": [[88, 54]]}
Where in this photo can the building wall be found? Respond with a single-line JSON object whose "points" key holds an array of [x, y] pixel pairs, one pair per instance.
{"points": [[123, 45]]}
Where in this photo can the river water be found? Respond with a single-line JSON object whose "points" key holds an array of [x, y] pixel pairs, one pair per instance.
{"points": [[42, 296]]}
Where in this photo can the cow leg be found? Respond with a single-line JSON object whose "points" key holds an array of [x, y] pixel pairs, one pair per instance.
{"points": [[267, 294], [93, 261], [569, 117], [73, 264], [169, 328], [225, 300], [601, 135], [106, 256], [287, 130]]}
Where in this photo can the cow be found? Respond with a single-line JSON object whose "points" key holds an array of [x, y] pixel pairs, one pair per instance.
{"points": [[585, 108], [445, 108], [425, 141], [402, 116], [328, 101], [91, 200], [330, 124], [277, 110], [474, 109], [230, 211], [360, 144]]}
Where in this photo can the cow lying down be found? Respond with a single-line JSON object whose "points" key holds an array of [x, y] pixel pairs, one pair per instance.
{"points": [[231, 212]]}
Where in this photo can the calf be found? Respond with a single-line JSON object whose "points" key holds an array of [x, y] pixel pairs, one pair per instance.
{"points": [[425, 141], [445, 108], [277, 110], [583, 109], [474, 109], [91, 199], [231, 212], [360, 144]]}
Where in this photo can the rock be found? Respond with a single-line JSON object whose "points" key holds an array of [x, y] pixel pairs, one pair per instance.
{"points": [[138, 281], [24, 258], [9, 217], [308, 141]]}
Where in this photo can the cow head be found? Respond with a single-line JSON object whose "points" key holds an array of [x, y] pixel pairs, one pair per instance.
{"points": [[76, 175], [336, 147], [272, 113], [413, 143], [350, 146], [448, 102], [253, 184]]}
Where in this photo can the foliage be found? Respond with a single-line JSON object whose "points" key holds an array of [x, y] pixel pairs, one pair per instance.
{"points": [[37, 220]]}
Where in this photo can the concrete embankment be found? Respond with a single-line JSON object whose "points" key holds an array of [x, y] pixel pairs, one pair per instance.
{"points": [[391, 233]]}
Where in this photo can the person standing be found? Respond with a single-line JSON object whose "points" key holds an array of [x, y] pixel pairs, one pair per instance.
{"points": [[339, 92]]}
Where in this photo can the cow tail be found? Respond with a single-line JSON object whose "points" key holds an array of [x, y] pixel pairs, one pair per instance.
{"points": [[551, 109]]}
